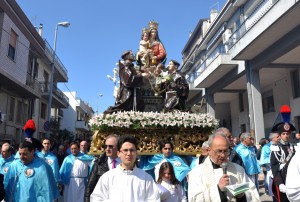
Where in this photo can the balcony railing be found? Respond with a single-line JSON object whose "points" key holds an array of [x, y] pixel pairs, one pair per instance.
{"points": [[49, 52], [45, 87], [54, 123], [81, 124], [258, 12], [32, 82], [82, 104], [220, 50]]}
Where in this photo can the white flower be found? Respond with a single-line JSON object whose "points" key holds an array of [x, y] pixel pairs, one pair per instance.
{"points": [[154, 119]]}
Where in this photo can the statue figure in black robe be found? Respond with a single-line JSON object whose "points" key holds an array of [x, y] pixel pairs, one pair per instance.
{"points": [[129, 96], [177, 90]]}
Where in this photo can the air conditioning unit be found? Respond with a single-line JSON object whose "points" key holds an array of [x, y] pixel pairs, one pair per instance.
{"points": [[226, 35]]}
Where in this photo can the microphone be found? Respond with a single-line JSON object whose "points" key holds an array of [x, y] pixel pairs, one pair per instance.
{"points": [[224, 167]]}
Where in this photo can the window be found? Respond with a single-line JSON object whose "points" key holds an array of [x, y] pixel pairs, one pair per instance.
{"points": [[78, 116], [268, 102], [243, 128], [43, 110], [297, 122], [46, 81], [12, 45], [11, 109], [30, 109], [33, 68], [295, 83], [25, 113], [36, 70], [241, 102], [19, 112]]}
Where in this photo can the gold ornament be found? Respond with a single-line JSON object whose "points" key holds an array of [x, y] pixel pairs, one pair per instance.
{"points": [[153, 25]]}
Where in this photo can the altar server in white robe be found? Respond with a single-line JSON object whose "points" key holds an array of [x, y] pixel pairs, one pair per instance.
{"points": [[74, 173], [293, 176], [207, 181], [126, 182]]}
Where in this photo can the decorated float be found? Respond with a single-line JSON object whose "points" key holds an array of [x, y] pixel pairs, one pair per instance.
{"points": [[150, 103]]}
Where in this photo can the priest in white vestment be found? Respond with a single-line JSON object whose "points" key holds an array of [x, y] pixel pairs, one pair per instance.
{"points": [[207, 181], [126, 182], [293, 175]]}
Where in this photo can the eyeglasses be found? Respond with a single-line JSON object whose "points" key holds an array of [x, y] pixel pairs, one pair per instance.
{"points": [[126, 151], [219, 152], [107, 145], [165, 148]]}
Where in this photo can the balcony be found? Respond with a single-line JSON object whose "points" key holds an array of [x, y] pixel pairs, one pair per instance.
{"points": [[32, 83], [82, 105], [82, 126], [60, 100], [267, 24], [60, 72], [28, 89], [54, 123], [216, 66]]}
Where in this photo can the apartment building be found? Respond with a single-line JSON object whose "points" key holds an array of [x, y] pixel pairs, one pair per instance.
{"points": [[76, 117], [242, 64], [25, 69]]}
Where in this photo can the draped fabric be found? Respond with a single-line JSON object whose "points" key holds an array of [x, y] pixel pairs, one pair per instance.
{"points": [[180, 167], [67, 166], [248, 156], [33, 182], [293, 185], [203, 182], [5, 163], [52, 161]]}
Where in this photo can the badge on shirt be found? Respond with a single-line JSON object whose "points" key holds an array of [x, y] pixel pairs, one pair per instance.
{"points": [[177, 163], [29, 172], [5, 169], [49, 161]]}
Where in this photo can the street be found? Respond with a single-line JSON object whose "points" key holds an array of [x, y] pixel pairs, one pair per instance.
{"points": [[264, 197]]}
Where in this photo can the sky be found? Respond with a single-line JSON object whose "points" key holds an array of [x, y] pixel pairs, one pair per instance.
{"points": [[101, 30]]}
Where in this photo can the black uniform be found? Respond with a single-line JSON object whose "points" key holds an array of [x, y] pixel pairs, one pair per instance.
{"points": [[99, 168], [279, 166]]}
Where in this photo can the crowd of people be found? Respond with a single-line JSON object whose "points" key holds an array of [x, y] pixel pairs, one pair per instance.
{"points": [[120, 174]]}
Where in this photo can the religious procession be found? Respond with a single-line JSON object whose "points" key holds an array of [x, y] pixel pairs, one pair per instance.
{"points": [[192, 160]]}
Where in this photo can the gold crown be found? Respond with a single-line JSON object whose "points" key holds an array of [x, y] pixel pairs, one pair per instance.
{"points": [[153, 24], [145, 30]]}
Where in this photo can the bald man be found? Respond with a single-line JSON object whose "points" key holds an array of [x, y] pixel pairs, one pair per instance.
{"points": [[84, 147], [7, 158], [207, 181]]}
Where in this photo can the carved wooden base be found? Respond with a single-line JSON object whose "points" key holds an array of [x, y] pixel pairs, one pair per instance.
{"points": [[186, 141]]}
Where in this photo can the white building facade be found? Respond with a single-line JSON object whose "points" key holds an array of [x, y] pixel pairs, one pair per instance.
{"points": [[76, 117], [25, 66]]}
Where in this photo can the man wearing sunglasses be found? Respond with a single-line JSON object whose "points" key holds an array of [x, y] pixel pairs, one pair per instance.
{"points": [[107, 161]]}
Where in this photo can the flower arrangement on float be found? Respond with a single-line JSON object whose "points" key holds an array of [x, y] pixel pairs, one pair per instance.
{"points": [[186, 130], [133, 120]]}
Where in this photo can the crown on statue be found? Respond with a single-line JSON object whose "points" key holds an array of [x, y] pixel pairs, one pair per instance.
{"points": [[145, 30], [152, 24]]}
